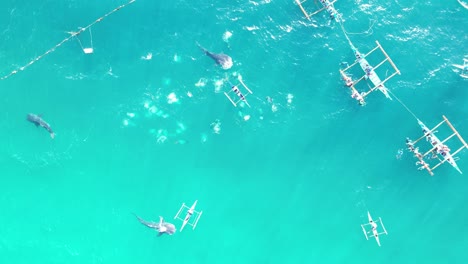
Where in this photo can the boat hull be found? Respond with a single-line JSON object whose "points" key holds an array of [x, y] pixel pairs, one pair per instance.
{"points": [[372, 76]]}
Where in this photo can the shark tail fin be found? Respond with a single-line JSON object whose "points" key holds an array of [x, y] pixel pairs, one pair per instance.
{"points": [[139, 218], [202, 48]]}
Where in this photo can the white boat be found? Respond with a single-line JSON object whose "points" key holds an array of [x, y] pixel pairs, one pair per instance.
{"points": [[236, 89], [369, 70], [463, 68], [435, 142], [374, 231], [188, 215]]}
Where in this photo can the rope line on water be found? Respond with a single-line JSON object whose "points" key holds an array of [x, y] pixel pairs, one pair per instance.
{"points": [[404, 105], [72, 34], [369, 30]]}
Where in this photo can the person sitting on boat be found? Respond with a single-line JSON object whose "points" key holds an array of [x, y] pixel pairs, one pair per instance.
{"points": [[357, 54], [409, 144], [368, 69], [356, 95], [373, 225], [236, 90], [348, 81], [374, 228], [427, 134], [417, 154], [422, 163]]}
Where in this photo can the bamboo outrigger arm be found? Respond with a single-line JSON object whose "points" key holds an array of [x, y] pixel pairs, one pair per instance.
{"points": [[456, 132]]}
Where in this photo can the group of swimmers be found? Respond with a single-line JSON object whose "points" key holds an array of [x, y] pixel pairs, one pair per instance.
{"points": [[417, 154], [439, 148], [354, 94]]}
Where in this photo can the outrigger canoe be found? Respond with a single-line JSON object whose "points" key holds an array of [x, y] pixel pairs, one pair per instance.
{"points": [[436, 142]]}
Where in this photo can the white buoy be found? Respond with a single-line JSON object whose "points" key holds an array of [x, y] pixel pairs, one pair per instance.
{"points": [[88, 50]]}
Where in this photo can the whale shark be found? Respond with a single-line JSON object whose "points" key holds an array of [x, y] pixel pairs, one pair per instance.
{"points": [[222, 59], [162, 227], [38, 121]]}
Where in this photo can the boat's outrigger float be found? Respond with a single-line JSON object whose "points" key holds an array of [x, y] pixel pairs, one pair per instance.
{"points": [[369, 73], [438, 149], [327, 5], [373, 232], [239, 96]]}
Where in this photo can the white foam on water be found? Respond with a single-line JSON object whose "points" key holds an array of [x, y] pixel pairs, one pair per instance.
{"points": [[181, 128], [216, 126], [161, 139], [226, 36], [201, 82], [252, 28], [148, 56], [161, 136], [203, 138], [289, 98], [172, 98], [274, 108], [218, 85], [152, 109]]}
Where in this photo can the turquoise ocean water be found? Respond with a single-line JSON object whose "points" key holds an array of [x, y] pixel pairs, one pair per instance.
{"points": [[292, 184]]}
